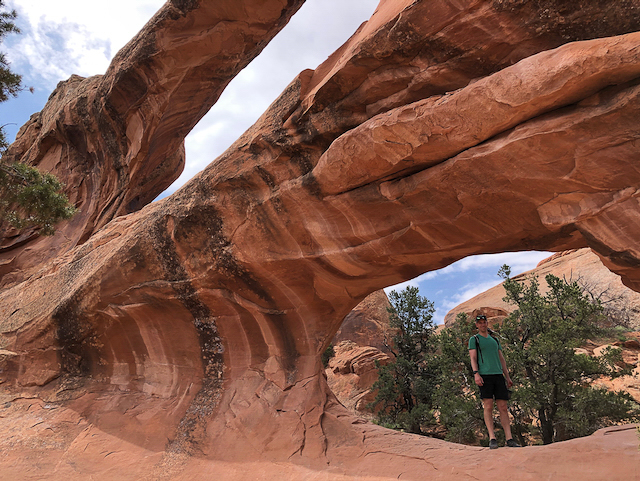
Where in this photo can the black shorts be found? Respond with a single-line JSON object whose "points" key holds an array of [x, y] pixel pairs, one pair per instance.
{"points": [[494, 386]]}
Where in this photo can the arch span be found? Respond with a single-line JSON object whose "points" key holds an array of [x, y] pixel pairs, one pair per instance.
{"points": [[194, 326]]}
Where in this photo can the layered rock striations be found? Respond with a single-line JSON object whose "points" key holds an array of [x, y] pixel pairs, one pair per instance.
{"points": [[190, 331]]}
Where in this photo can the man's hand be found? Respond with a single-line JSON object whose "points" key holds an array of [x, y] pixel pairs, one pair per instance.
{"points": [[478, 379], [509, 381]]}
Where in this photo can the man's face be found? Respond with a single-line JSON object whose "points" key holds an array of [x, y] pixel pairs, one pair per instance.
{"points": [[481, 322]]}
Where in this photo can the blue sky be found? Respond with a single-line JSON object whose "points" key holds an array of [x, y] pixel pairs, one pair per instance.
{"points": [[468, 277], [65, 37]]}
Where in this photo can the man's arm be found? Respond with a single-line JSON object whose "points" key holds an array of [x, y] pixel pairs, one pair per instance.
{"points": [[473, 354], [505, 371]]}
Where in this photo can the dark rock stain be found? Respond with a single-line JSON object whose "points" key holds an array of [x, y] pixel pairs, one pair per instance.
{"points": [[575, 20], [211, 348], [77, 340], [622, 258], [203, 228]]}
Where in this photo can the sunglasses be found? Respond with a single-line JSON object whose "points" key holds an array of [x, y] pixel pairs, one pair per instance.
{"points": [[481, 318]]}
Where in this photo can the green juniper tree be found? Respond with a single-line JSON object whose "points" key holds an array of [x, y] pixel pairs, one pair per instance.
{"points": [[31, 198], [405, 386], [27, 196], [10, 83], [328, 353], [552, 381], [430, 380]]}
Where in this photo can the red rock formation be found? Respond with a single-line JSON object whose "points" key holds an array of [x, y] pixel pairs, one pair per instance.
{"points": [[185, 337], [368, 323], [358, 344], [351, 373]]}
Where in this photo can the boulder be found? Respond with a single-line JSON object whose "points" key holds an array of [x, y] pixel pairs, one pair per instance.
{"points": [[632, 344], [352, 372]]}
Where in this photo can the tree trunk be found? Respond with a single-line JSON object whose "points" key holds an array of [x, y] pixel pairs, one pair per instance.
{"points": [[546, 427]]}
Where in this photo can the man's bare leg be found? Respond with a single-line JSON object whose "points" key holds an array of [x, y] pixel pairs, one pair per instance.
{"points": [[504, 417], [488, 417]]}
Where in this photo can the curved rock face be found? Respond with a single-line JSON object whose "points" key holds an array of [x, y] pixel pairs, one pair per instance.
{"points": [[441, 129], [351, 373]]}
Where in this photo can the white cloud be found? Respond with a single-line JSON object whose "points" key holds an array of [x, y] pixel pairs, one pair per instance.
{"points": [[486, 263], [449, 287], [518, 261], [48, 53], [114, 21], [402, 286], [468, 292], [63, 37], [69, 36], [315, 31]]}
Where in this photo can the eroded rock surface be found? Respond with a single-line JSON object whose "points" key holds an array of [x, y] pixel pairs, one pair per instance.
{"points": [[186, 336], [368, 323], [117, 140], [351, 373]]}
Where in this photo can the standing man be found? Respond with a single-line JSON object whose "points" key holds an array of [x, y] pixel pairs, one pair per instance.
{"points": [[491, 375]]}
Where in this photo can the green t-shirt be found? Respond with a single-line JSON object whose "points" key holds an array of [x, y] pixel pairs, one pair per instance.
{"points": [[488, 357]]}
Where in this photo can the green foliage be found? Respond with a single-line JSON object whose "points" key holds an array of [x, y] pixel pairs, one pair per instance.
{"points": [[431, 381], [552, 381], [28, 197], [327, 354], [405, 387], [620, 332], [10, 83], [411, 314], [593, 409]]}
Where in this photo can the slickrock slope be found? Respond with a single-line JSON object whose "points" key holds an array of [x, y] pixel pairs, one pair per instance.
{"points": [[183, 339], [581, 265]]}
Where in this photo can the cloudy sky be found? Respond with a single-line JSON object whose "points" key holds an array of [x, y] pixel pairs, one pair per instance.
{"points": [[65, 37]]}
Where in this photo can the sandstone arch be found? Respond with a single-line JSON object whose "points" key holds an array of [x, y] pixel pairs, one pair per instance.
{"points": [[193, 326]]}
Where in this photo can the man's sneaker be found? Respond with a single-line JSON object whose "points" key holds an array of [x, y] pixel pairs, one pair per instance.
{"points": [[493, 444], [512, 443]]}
